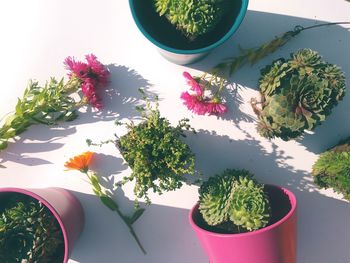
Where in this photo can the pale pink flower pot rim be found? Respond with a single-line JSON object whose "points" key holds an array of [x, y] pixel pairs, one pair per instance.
{"points": [[293, 203], [52, 210]]}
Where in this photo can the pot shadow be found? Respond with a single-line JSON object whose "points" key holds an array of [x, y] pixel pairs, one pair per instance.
{"points": [[160, 229], [317, 225], [120, 99], [272, 25]]}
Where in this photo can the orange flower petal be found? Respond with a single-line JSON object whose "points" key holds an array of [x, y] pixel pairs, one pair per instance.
{"points": [[80, 162]]}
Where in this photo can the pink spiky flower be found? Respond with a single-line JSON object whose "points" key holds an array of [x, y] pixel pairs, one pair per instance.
{"points": [[93, 75], [197, 102]]}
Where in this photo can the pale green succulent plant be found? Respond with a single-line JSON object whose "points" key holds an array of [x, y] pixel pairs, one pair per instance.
{"points": [[297, 94], [332, 169], [234, 196], [192, 17]]}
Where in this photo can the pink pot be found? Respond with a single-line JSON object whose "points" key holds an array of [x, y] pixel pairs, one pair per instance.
{"points": [[275, 243], [64, 206]]}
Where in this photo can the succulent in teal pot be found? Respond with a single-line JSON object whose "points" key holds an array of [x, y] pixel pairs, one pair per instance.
{"points": [[235, 197], [332, 169], [297, 94], [192, 17], [184, 31]]}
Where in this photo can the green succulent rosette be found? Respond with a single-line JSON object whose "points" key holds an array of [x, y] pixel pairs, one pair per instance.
{"points": [[192, 17], [298, 94], [234, 196], [332, 169]]}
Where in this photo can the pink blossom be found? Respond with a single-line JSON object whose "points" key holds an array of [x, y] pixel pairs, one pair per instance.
{"points": [[201, 107], [90, 93], [216, 108], [93, 75], [193, 83]]}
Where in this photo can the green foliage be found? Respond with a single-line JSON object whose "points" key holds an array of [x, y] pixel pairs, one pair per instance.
{"points": [[156, 154], [192, 17], [332, 169], [298, 94], [40, 105], [29, 233], [236, 197]]}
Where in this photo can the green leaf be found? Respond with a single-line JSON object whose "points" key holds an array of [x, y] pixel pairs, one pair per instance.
{"points": [[136, 215], [109, 202]]}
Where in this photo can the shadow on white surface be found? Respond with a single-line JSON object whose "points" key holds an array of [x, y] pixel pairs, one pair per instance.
{"points": [[164, 232], [331, 42]]}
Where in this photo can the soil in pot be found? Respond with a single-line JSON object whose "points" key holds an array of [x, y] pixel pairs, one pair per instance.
{"points": [[280, 207], [22, 237], [165, 33]]}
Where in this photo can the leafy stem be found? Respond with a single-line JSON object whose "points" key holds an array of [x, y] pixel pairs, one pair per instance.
{"points": [[222, 71], [112, 205]]}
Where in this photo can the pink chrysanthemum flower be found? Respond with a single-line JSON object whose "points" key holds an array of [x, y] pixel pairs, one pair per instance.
{"points": [[193, 103], [193, 83], [93, 75], [216, 108], [91, 95]]}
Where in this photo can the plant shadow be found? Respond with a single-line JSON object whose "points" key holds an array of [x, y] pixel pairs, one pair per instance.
{"points": [[120, 99], [334, 48]]}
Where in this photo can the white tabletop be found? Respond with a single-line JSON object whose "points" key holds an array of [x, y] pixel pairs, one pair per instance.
{"points": [[36, 36]]}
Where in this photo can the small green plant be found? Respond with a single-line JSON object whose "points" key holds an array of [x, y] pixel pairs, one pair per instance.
{"points": [[234, 196], [156, 154], [192, 17], [297, 94], [29, 233], [332, 169]]}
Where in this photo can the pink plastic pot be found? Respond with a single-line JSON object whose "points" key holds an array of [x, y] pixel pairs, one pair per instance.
{"points": [[275, 243], [64, 206]]}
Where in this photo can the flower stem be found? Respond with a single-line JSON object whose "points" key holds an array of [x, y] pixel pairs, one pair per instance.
{"points": [[112, 205]]}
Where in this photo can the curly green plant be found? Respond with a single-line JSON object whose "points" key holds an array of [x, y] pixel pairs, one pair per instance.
{"points": [[156, 154], [297, 94], [192, 17], [29, 233], [234, 196], [332, 169]]}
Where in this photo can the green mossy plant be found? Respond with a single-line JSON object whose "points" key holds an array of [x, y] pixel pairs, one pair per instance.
{"points": [[29, 233], [332, 169], [234, 196], [297, 94], [156, 153], [192, 17]]}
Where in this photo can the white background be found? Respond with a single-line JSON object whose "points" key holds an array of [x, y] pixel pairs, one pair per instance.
{"points": [[36, 36]]}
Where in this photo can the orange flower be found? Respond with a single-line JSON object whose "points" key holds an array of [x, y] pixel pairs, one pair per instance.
{"points": [[80, 162]]}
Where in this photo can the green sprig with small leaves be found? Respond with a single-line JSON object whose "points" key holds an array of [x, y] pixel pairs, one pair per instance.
{"points": [[29, 233], [217, 78], [156, 153], [41, 105]]}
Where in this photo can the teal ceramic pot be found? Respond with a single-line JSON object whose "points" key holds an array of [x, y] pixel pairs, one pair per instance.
{"points": [[172, 44]]}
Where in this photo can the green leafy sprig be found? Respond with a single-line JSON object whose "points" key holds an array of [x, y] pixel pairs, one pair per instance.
{"points": [[218, 76], [41, 105], [155, 152]]}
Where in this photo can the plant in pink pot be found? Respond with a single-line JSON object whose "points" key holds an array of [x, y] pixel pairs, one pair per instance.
{"points": [[38, 225], [239, 220]]}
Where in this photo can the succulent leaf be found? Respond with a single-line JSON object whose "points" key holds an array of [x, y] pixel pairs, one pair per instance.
{"points": [[298, 94]]}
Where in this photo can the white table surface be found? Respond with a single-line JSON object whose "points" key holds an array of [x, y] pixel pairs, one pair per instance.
{"points": [[36, 36]]}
